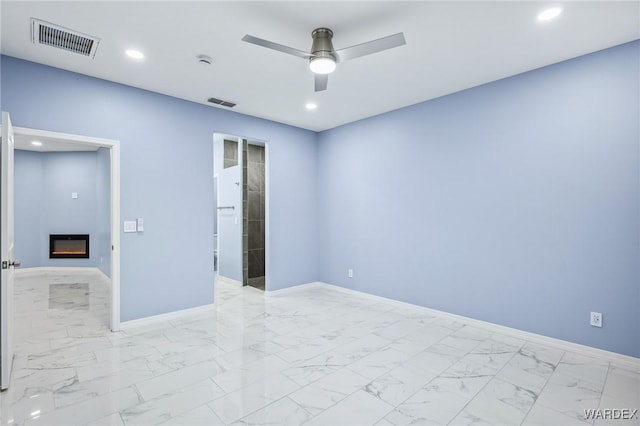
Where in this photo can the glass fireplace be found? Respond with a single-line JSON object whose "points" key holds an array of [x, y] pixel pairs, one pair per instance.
{"points": [[69, 246]]}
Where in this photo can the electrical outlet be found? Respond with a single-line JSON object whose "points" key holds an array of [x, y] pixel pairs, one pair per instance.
{"points": [[350, 273], [596, 319]]}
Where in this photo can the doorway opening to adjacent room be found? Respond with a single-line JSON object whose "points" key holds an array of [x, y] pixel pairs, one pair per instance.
{"points": [[241, 223], [107, 252], [47, 283]]}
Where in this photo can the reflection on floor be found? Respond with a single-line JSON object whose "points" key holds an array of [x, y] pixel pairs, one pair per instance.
{"points": [[315, 356], [69, 296], [257, 282]]}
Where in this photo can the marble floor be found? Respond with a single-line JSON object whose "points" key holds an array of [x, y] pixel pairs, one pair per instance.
{"points": [[314, 357]]}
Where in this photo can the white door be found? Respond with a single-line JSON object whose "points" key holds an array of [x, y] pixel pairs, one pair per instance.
{"points": [[6, 252], [229, 208]]}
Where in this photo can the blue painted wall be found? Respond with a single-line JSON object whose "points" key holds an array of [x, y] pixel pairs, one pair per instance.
{"points": [[516, 202], [29, 201], [167, 178], [44, 183], [64, 173]]}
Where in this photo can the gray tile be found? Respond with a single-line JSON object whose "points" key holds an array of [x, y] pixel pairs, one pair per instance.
{"points": [[255, 207], [254, 179], [256, 235], [255, 153], [256, 263]]}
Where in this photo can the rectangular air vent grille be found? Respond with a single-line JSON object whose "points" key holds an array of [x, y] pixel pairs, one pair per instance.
{"points": [[221, 102], [63, 38]]}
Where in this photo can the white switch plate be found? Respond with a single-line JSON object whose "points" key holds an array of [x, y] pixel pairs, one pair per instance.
{"points": [[130, 226], [140, 224], [74, 195], [350, 273]]}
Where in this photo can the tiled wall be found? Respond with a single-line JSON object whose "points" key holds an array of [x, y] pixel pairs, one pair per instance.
{"points": [[256, 210]]}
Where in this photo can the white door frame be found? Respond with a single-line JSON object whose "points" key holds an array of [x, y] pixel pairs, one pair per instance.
{"points": [[114, 149]]}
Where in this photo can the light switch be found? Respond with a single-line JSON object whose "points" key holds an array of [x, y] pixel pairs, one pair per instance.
{"points": [[74, 195], [140, 224], [130, 226]]}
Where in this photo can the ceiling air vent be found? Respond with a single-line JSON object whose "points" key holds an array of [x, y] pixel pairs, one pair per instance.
{"points": [[63, 38], [221, 102]]}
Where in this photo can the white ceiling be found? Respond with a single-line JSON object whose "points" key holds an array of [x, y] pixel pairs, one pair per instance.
{"points": [[49, 143], [451, 46]]}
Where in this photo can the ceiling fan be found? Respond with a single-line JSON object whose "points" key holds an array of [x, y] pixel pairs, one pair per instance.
{"points": [[323, 57]]}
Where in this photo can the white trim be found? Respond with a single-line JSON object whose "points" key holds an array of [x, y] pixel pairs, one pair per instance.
{"points": [[114, 149], [154, 319], [41, 270], [228, 280], [267, 216], [83, 140], [115, 237], [56, 269], [294, 289], [619, 359]]}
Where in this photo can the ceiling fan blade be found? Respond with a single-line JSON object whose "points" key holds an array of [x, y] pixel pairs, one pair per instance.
{"points": [[370, 47], [321, 81], [275, 46]]}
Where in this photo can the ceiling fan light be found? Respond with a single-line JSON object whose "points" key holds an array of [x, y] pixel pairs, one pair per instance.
{"points": [[322, 65]]}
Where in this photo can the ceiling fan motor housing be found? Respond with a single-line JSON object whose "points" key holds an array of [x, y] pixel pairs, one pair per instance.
{"points": [[322, 46]]}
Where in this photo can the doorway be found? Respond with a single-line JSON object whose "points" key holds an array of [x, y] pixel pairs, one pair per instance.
{"points": [[108, 252], [241, 202]]}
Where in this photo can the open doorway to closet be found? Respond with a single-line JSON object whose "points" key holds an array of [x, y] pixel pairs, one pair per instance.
{"points": [[241, 199]]}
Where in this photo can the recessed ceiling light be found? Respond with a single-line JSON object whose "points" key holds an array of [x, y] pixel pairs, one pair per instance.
{"points": [[549, 14], [311, 106], [134, 54], [36, 143]]}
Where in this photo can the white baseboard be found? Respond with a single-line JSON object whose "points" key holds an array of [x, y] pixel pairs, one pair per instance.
{"points": [[619, 359], [58, 270], [228, 280], [154, 319], [44, 270], [104, 276], [294, 289]]}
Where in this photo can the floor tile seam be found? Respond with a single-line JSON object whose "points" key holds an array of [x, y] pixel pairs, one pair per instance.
{"points": [[143, 400], [598, 386], [543, 386], [263, 408], [494, 376], [175, 389], [347, 396], [552, 408], [335, 402], [68, 406], [604, 385], [565, 415], [407, 398], [53, 406], [150, 401]]}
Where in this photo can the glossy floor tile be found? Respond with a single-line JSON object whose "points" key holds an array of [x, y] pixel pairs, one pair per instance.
{"points": [[315, 356]]}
